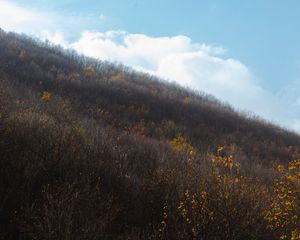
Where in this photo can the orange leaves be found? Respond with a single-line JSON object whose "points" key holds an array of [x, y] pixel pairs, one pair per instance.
{"points": [[203, 195], [46, 96]]}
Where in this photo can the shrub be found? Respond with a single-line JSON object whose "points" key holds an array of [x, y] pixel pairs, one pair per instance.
{"points": [[283, 214]]}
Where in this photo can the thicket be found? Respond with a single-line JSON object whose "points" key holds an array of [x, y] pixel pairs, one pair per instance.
{"points": [[94, 150]]}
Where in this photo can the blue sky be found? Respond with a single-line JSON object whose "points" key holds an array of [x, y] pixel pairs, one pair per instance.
{"points": [[246, 53]]}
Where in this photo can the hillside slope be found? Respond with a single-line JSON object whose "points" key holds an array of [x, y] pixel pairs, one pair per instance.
{"points": [[91, 150]]}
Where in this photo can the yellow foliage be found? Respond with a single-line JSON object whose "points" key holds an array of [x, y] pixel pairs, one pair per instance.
{"points": [[284, 212], [90, 71], [45, 96], [193, 211], [280, 168], [224, 190], [187, 100], [226, 194], [163, 223], [181, 144], [296, 234], [119, 76], [225, 164], [74, 76]]}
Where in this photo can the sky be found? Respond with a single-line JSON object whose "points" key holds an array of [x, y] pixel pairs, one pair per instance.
{"points": [[246, 53]]}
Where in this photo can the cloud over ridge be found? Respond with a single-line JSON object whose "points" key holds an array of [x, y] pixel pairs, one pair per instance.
{"points": [[199, 66]]}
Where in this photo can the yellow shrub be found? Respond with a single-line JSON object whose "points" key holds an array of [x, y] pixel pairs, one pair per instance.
{"points": [[284, 213], [45, 96], [222, 197], [181, 145]]}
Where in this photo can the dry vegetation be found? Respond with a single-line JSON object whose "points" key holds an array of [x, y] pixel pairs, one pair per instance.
{"points": [[91, 150]]}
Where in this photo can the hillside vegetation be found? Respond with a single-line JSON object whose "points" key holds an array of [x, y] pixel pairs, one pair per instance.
{"points": [[95, 150]]}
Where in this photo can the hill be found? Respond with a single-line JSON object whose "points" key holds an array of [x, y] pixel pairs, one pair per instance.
{"points": [[94, 150]]}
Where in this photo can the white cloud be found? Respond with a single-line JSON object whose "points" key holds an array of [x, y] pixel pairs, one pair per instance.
{"points": [[14, 17], [19, 19], [137, 50], [56, 38]]}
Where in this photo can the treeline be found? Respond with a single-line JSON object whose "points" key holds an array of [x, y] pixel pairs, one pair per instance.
{"points": [[93, 150]]}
